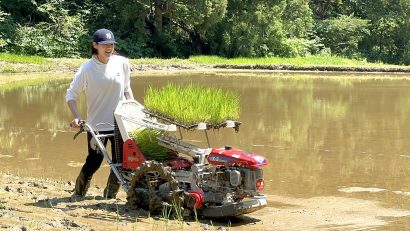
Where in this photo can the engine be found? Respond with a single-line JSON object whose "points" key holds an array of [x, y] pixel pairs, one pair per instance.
{"points": [[230, 176]]}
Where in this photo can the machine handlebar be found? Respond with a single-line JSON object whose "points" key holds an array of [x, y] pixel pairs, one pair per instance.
{"points": [[82, 124]]}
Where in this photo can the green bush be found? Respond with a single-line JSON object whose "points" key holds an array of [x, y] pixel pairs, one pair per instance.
{"points": [[57, 37], [7, 30], [296, 47]]}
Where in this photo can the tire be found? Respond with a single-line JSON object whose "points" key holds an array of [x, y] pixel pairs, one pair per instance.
{"points": [[144, 191]]}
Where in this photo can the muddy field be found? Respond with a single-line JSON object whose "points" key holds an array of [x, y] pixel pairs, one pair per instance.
{"points": [[46, 204], [353, 182]]}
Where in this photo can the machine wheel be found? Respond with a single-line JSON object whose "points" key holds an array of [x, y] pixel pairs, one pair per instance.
{"points": [[152, 186]]}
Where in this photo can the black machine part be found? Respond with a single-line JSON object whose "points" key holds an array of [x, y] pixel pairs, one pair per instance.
{"points": [[235, 208]]}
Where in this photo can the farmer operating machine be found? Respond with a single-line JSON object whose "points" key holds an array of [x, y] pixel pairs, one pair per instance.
{"points": [[214, 182]]}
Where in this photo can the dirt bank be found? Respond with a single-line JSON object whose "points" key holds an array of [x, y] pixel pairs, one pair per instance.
{"points": [[71, 66], [316, 68], [46, 204]]}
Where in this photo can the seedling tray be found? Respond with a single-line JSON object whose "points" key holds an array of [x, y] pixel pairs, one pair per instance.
{"points": [[195, 125]]}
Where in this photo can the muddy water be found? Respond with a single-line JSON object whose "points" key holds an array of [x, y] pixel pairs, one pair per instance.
{"points": [[324, 135]]}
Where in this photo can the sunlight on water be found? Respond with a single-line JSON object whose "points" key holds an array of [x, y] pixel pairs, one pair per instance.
{"points": [[361, 189], [322, 135]]}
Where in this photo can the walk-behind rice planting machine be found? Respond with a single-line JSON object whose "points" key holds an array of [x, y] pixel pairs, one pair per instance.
{"points": [[213, 182]]}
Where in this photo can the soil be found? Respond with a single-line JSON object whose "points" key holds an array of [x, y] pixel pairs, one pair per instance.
{"points": [[46, 204]]}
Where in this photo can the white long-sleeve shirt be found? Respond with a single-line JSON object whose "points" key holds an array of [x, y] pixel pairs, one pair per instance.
{"points": [[104, 86]]}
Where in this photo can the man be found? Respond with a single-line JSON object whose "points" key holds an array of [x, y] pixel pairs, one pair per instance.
{"points": [[105, 79]]}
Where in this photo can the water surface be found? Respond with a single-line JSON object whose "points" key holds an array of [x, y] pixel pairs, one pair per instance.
{"points": [[323, 134]]}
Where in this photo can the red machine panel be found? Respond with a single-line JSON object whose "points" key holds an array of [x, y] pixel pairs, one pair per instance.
{"points": [[132, 156], [233, 156]]}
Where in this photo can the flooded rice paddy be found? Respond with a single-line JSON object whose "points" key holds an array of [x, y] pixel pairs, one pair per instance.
{"points": [[323, 134]]}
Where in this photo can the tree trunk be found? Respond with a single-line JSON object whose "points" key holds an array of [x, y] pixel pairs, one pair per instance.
{"points": [[158, 14]]}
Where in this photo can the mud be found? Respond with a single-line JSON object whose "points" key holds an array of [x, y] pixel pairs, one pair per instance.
{"points": [[28, 203]]}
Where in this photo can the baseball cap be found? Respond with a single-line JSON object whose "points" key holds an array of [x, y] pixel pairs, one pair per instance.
{"points": [[104, 36]]}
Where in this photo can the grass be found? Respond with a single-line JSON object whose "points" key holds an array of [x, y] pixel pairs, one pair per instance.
{"points": [[12, 58], [157, 61], [297, 61], [193, 104], [312, 60], [11, 63]]}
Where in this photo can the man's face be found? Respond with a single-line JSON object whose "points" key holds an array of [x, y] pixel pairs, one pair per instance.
{"points": [[104, 50]]}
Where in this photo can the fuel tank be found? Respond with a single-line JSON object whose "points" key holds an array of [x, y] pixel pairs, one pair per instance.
{"points": [[234, 156]]}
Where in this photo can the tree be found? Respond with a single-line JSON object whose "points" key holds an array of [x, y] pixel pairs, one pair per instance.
{"points": [[250, 29], [6, 29], [388, 39], [43, 27], [298, 24], [297, 18], [404, 34], [324, 9], [343, 34], [22, 11]]}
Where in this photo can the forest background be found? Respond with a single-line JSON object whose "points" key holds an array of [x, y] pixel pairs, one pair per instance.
{"points": [[371, 30]]}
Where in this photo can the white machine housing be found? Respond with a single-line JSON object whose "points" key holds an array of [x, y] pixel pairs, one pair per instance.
{"points": [[130, 116]]}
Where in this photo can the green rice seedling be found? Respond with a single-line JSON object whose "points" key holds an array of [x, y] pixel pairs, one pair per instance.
{"points": [[166, 213], [192, 104], [42, 183], [154, 225], [60, 184], [196, 216], [134, 225], [178, 214], [146, 140], [117, 216], [51, 204]]}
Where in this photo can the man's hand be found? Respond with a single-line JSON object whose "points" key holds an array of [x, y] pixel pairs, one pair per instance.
{"points": [[75, 123]]}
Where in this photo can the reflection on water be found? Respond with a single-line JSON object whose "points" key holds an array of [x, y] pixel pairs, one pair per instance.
{"points": [[320, 135]]}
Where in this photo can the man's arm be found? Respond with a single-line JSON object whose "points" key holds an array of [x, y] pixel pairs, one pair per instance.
{"points": [[128, 95], [72, 104]]}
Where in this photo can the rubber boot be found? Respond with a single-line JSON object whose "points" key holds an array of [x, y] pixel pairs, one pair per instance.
{"points": [[82, 184], [113, 186]]}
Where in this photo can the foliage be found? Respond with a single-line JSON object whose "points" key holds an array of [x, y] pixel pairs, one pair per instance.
{"points": [[297, 19], [57, 36], [343, 34], [201, 15], [193, 104], [377, 30], [6, 29], [22, 10], [389, 31], [324, 9], [128, 25], [257, 33]]}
